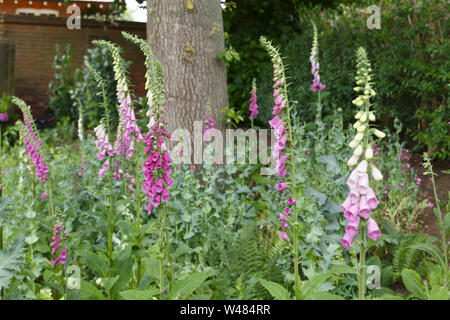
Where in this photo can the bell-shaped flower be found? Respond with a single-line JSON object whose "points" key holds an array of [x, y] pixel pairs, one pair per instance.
{"points": [[372, 200], [364, 209], [347, 240], [352, 226], [373, 229]]}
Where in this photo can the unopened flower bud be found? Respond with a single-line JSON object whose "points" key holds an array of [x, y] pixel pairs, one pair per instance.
{"points": [[357, 124], [352, 161], [363, 117], [378, 133], [358, 115], [369, 153], [353, 144], [359, 137], [362, 167], [361, 128], [376, 174], [371, 116], [358, 151]]}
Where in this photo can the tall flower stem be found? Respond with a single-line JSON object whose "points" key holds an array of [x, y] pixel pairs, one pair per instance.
{"points": [[161, 255], [294, 194], [438, 213], [138, 219], [169, 258], [362, 263]]}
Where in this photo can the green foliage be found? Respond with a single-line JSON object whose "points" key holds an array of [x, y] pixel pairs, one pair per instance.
{"points": [[72, 87], [11, 262], [405, 255], [409, 53], [59, 89], [255, 255]]}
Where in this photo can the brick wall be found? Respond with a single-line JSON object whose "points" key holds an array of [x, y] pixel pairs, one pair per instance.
{"points": [[35, 38], [10, 6]]}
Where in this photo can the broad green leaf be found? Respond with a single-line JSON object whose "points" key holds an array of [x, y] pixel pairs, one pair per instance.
{"points": [[276, 290], [10, 263], [140, 294], [123, 269], [322, 295], [330, 162], [389, 297], [90, 292], [109, 282], [96, 263], [376, 293], [387, 275], [342, 268], [183, 288], [432, 250], [447, 222], [152, 267], [311, 285], [439, 293], [412, 281]]}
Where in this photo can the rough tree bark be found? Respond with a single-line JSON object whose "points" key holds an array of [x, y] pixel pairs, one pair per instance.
{"points": [[186, 37]]}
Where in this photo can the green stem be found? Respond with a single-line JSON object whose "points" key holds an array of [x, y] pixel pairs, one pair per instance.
{"points": [[169, 258], [110, 231], [161, 257], [441, 224], [138, 222], [294, 193], [362, 263]]}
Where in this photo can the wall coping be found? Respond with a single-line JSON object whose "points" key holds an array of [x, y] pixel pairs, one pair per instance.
{"points": [[61, 21]]}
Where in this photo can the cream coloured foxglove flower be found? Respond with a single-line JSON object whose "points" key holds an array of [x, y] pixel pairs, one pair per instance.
{"points": [[376, 174]]}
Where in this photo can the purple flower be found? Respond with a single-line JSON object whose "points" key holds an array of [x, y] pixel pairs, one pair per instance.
{"points": [[281, 186], [284, 235], [374, 231], [315, 64], [58, 231], [253, 106], [4, 117], [347, 240]]}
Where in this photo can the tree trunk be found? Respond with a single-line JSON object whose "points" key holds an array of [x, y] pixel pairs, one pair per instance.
{"points": [[186, 37]]}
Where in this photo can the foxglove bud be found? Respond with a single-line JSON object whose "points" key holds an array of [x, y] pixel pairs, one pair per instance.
{"points": [[371, 116], [361, 128], [358, 151], [363, 117], [369, 153], [359, 137], [353, 144], [376, 174], [378, 133], [352, 161], [362, 167]]}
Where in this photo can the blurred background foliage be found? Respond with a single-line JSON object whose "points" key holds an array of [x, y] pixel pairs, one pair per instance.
{"points": [[409, 52]]}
